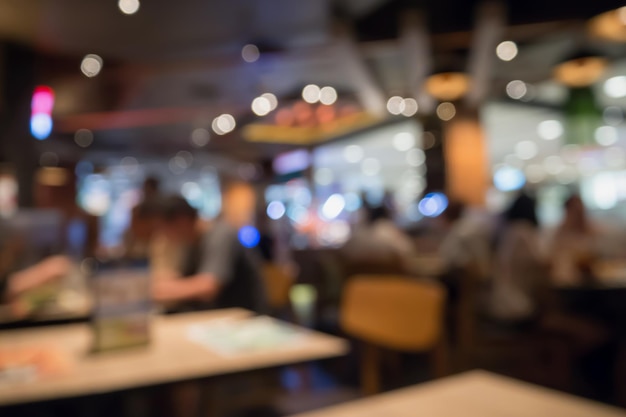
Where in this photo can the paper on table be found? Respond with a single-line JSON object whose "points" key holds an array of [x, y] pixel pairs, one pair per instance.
{"points": [[254, 335]]}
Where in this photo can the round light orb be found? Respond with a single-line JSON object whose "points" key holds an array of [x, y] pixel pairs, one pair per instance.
{"points": [[507, 50], [91, 65], [250, 53]]}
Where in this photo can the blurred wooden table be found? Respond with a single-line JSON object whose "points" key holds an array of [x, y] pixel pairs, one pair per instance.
{"points": [[473, 394], [170, 357]]}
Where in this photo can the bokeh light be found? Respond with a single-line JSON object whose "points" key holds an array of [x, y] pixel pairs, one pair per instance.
{"points": [[261, 106], [333, 207], [615, 87], [200, 137], [250, 53], [324, 176], [507, 50], [91, 65], [433, 204], [311, 93], [83, 137], [272, 99], [446, 111], [41, 125], [415, 157], [224, 124], [275, 210], [249, 236], [403, 141], [508, 178], [328, 96], [410, 107], [606, 135], [370, 167], [128, 6], [516, 89], [550, 129], [526, 149], [395, 105]]}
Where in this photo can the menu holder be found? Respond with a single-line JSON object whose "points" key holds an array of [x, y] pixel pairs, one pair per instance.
{"points": [[122, 309]]}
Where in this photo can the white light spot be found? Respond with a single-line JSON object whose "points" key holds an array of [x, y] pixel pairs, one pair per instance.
{"points": [[516, 89], [415, 157], [606, 135], [395, 105], [83, 137], [224, 124], [507, 50], [200, 137], [311, 93], [410, 107], [333, 207], [261, 106], [353, 153], [615, 87], [370, 167], [250, 53], [324, 176], [550, 129], [275, 210], [553, 164], [91, 65], [526, 149], [403, 141], [128, 6], [192, 192], [446, 111], [272, 99], [328, 96]]}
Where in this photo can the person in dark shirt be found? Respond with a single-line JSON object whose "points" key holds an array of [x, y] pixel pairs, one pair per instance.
{"points": [[214, 270]]}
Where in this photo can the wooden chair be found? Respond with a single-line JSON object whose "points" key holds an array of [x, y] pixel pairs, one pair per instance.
{"points": [[396, 313]]}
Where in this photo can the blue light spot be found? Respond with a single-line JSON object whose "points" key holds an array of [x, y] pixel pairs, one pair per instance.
{"points": [[508, 179], [433, 204], [249, 236], [41, 125]]}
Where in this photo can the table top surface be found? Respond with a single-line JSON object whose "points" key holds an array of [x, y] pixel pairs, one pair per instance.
{"points": [[171, 356], [472, 394]]}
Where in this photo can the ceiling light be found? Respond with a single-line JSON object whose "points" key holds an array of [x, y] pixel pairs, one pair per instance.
{"points": [[581, 70], [448, 86]]}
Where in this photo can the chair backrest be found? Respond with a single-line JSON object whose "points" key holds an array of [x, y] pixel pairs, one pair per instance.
{"points": [[277, 285], [393, 312]]}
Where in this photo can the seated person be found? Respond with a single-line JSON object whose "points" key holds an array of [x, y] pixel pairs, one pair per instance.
{"points": [[573, 245], [14, 285], [208, 270]]}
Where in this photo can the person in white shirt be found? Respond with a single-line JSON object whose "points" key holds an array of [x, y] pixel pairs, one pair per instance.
{"points": [[520, 269]]}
